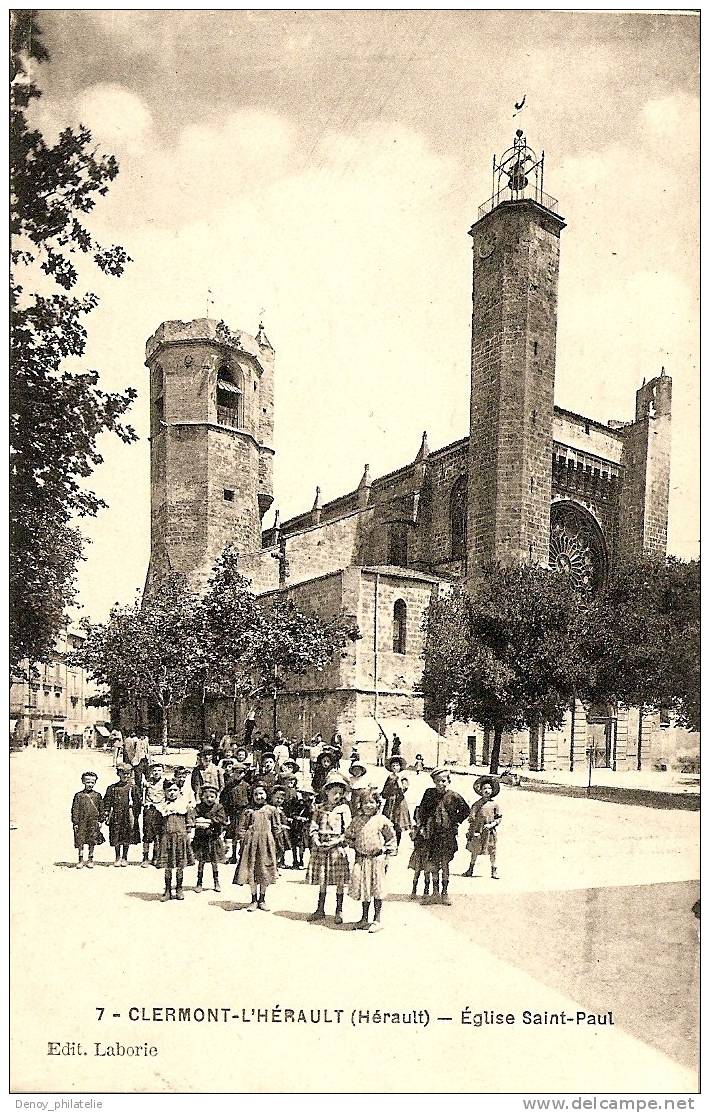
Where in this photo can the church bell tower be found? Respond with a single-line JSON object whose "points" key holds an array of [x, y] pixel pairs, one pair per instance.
{"points": [[211, 444], [516, 251]]}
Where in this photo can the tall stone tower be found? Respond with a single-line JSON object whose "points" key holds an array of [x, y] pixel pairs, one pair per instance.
{"points": [[211, 429], [516, 248], [643, 506]]}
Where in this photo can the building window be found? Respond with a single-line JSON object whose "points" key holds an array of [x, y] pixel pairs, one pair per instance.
{"points": [[159, 412], [665, 718], [230, 396], [399, 627], [397, 547], [228, 495], [457, 511]]}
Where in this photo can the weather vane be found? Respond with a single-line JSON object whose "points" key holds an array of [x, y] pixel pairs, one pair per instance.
{"points": [[519, 106]]}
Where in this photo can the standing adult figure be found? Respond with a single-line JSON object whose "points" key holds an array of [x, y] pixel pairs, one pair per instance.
{"points": [[136, 754], [249, 725]]}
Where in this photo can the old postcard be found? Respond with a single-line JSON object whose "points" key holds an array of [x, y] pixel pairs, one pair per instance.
{"points": [[354, 552]]}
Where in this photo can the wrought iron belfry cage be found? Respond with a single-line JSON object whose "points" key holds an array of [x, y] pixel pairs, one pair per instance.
{"points": [[518, 175]]}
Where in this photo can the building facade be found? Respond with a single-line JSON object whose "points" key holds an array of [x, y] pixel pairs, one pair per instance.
{"points": [[52, 705], [531, 482]]}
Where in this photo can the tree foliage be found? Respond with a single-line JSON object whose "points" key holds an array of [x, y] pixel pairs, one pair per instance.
{"points": [[228, 643], [56, 414], [642, 639], [526, 644], [149, 651], [254, 644], [507, 656]]}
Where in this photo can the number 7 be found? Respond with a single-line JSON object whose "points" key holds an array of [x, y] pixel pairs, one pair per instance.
{"points": [[101, 1012]]}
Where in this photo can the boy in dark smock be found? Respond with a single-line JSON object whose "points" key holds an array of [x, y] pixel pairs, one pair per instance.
{"points": [[441, 810]]}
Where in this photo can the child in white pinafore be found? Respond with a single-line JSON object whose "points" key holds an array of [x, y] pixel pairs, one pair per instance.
{"points": [[374, 840]]}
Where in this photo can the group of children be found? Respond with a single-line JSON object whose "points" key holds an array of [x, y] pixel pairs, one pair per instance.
{"points": [[254, 817]]}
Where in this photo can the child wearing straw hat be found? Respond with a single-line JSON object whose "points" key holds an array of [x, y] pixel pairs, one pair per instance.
{"points": [[394, 792], [483, 823], [328, 865]]}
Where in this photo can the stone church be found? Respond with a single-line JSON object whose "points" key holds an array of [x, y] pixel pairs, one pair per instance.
{"points": [[531, 482]]}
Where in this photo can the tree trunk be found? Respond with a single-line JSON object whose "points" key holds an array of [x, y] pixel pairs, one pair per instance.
{"points": [[204, 713], [164, 730], [495, 752]]}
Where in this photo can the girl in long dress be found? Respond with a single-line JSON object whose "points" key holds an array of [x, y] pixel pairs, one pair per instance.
{"points": [[175, 838], [394, 795], [258, 830], [373, 838]]}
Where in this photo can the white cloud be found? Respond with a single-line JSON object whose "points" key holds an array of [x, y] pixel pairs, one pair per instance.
{"points": [[117, 117]]}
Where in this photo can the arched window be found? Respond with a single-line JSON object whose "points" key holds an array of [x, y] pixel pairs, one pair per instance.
{"points": [[457, 515], [399, 627], [230, 396], [577, 546]]}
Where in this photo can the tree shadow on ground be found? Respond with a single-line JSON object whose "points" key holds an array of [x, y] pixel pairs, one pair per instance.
{"points": [[631, 949]]}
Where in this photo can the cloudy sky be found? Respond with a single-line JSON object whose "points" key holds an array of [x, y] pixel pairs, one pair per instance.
{"points": [[326, 167]]}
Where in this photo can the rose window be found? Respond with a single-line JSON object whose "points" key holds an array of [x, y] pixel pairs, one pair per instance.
{"points": [[577, 547]]}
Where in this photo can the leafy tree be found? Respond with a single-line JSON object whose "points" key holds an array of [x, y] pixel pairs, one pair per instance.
{"points": [[228, 643], [642, 639], [56, 414], [506, 657], [253, 645], [149, 651]]}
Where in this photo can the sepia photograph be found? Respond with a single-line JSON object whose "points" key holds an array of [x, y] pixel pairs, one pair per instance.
{"points": [[354, 580]]}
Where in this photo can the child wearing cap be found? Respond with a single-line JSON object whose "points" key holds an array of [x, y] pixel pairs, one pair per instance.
{"points": [[153, 794], [258, 830], [297, 810], [418, 857], [373, 838], [206, 772], [441, 810], [283, 842], [176, 833], [328, 865], [483, 823], [86, 813], [394, 795], [121, 809], [235, 798], [211, 821]]}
